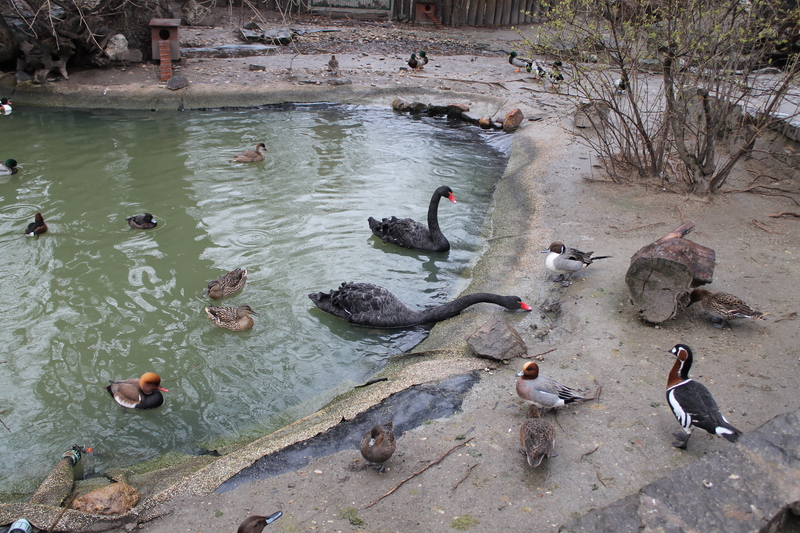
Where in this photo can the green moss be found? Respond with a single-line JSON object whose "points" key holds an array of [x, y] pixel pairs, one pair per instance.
{"points": [[351, 514], [463, 523]]}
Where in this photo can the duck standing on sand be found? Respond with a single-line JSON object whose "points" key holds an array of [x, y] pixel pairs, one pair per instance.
{"points": [[232, 318], [412, 62], [365, 304], [692, 403], [537, 437], [722, 306], [37, 227], [9, 167], [566, 261], [423, 60], [142, 221], [226, 284], [414, 235], [142, 393], [544, 391], [378, 445], [257, 523], [520, 62], [251, 156]]}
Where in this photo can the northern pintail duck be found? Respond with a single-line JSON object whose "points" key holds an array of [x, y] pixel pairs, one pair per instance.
{"points": [[541, 73], [9, 167], [722, 306], [251, 156], [365, 304], [226, 284], [544, 391], [422, 60], [519, 62], [233, 318], [537, 437], [333, 64], [256, 523], [414, 235], [5, 105], [556, 77], [566, 261], [378, 445], [142, 393], [413, 62], [142, 221], [37, 227], [692, 403]]}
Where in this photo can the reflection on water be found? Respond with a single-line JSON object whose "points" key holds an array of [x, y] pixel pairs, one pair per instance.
{"points": [[95, 300]]}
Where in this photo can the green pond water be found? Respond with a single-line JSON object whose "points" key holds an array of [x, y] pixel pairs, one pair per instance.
{"points": [[94, 300]]}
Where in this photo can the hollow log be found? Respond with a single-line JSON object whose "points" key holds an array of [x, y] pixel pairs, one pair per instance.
{"points": [[661, 273]]}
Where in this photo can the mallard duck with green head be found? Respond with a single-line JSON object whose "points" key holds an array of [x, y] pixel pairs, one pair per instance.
{"points": [[520, 62]]}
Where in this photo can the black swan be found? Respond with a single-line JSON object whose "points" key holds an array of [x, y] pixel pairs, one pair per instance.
{"points": [[409, 233], [365, 304]]}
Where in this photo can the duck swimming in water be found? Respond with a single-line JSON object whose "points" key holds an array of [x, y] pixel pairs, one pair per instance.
{"points": [[365, 304], [142, 221], [5, 106], [232, 318], [226, 284], [414, 235], [37, 227], [251, 156], [9, 167], [142, 393]]}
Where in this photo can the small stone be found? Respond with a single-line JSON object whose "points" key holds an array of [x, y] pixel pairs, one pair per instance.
{"points": [[485, 123], [177, 82], [512, 120]]}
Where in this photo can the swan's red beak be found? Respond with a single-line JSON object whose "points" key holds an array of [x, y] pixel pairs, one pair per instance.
{"points": [[452, 198], [525, 307]]}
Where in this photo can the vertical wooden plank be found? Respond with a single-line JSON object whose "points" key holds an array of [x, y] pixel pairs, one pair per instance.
{"points": [[515, 14], [480, 16], [472, 13], [491, 5], [506, 13], [498, 12]]}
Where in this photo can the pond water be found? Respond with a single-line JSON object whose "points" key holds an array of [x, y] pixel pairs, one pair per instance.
{"points": [[94, 300]]}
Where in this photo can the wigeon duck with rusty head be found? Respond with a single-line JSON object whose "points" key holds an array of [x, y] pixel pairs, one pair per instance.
{"points": [[37, 227], [142, 393], [565, 261], [537, 437], [691, 402], [544, 391], [722, 306], [257, 523], [378, 445]]}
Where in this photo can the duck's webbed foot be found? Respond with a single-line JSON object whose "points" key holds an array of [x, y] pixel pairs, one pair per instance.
{"points": [[682, 439]]}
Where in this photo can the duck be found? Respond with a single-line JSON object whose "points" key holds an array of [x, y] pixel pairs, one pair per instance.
{"points": [[691, 402], [37, 227], [378, 445], [423, 59], [5, 105], [9, 167], [365, 304], [412, 61], [142, 221], [537, 437], [142, 393], [257, 523], [408, 233], [556, 77], [541, 73], [226, 284], [722, 306], [620, 85], [233, 318], [333, 64], [251, 156], [519, 62], [544, 391], [566, 261]]}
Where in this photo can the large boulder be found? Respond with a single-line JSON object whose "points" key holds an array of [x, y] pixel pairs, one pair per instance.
{"points": [[497, 340]]}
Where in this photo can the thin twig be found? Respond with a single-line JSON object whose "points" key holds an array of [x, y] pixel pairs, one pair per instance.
{"points": [[415, 474], [787, 316], [680, 211], [601, 479], [539, 355], [462, 81], [469, 471], [590, 452], [642, 227], [765, 228], [4, 424], [786, 213]]}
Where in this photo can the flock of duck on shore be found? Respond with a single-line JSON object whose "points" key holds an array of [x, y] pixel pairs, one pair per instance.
{"points": [[365, 304]]}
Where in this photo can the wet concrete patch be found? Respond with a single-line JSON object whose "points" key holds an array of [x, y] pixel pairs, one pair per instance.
{"points": [[408, 408]]}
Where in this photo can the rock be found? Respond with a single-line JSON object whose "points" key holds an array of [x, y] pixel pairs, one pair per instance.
{"points": [[256, 67], [177, 82], [398, 104], [458, 108], [134, 55], [513, 120], [497, 340], [418, 107], [591, 115], [117, 47], [485, 123], [340, 81], [116, 498]]}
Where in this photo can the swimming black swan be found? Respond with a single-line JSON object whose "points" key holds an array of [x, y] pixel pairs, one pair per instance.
{"points": [[365, 304], [409, 233]]}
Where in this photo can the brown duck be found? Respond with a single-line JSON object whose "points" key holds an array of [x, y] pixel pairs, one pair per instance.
{"points": [[251, 156], [722, 306], [226, 284], [37, 227], [257, 523], [233, 318], [537, 437], [378, 445]]}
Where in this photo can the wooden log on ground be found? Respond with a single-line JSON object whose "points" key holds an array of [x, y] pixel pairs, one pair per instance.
{"points": [[662, 273]]}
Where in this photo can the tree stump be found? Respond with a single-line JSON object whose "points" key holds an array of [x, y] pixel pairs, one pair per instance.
{"points": [[662, 273]]}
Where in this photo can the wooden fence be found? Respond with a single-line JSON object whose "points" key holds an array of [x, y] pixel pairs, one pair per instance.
{"points": [[475, 12]]}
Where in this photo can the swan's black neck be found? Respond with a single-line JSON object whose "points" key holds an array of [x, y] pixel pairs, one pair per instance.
{"points": [[433, 220], [454, 307]]}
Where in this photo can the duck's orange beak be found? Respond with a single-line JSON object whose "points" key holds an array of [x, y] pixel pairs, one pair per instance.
{"points": [[162, 389]]}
